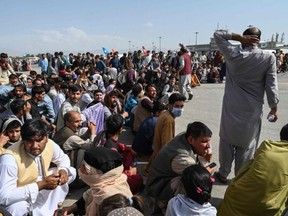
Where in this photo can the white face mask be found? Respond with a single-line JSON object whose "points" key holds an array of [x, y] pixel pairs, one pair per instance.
{"points": [[177, 112]]}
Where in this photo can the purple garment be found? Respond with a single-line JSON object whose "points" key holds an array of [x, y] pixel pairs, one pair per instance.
{"points": [[95, 114]]}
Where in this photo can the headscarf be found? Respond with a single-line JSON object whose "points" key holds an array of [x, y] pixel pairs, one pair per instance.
{"points": [[104, 175], [127, 211], [6, 123]]}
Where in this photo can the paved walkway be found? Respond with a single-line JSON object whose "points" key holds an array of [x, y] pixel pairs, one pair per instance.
{"points": [[206, 107]]}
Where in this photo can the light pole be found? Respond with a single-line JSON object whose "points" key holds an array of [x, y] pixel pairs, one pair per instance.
{"points": [[129, 44], [160, 43], [152, 46], [196, 33]]}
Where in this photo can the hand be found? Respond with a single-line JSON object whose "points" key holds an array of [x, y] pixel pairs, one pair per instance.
{"points": [[27, 107], [210, 170], [249, 40], [274, 112], [208, 156], [3, 139], [63, 177], [125, 115], [133, 171], [49, 183], [92, 127], [66, 210]]}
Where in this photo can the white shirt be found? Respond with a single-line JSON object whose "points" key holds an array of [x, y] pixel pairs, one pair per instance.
{"points": [[11, 194]]}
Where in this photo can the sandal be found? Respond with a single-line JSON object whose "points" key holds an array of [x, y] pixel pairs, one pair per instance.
{"points": [[221, 178]]}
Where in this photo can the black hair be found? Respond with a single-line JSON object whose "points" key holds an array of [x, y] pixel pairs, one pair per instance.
{"points": [[17, 106], [197, 129], [120, 201], [3, 55], [114, 123], [13, 76], [158, 106], [46, 87], [284, 133], [97, 91], [12, 125], [150, 86], [176, 97], [253, 31], [22, 86], [111, 81], [197, 182], [136, 90], [75, 88], [64, 85], [35, 80], [32, 72], [34, 127], [114, 92], [141, 80], [37, 90]]}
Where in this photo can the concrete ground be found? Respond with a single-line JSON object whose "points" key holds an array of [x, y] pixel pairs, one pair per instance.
{"points": [[206, 107]]}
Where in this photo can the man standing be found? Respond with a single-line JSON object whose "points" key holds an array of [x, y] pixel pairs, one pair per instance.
{"points": [[251, 72], [39, 192], [184, 72], [5, 69], [43, 63]]}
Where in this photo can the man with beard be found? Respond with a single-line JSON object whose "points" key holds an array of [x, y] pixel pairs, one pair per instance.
{"points": [[39, 191], [69, 137], [112, 105]]}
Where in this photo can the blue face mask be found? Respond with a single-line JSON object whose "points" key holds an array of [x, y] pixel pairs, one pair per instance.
{"points": [[177, 111]]}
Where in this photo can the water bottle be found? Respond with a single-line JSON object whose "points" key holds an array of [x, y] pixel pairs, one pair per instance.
{"points": [[270, 118]]}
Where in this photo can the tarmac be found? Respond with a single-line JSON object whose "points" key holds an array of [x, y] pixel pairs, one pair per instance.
{"points": [[206, 107]]}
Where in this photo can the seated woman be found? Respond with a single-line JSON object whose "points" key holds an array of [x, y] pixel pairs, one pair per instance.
{"points": [[102, 170], [10, 133], [261, 186]]}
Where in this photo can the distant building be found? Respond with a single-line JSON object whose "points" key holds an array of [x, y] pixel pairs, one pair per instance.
{"points": [[269, 45]]}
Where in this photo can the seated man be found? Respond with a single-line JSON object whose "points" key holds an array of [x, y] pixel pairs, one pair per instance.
{"points": [[143, 141], [39, 192], [69, 139], [261, 186], [20, 109], [114, 127], [164, 178]]}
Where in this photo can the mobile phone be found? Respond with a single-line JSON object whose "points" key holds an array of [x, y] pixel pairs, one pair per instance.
{"points": [[211, 165]]}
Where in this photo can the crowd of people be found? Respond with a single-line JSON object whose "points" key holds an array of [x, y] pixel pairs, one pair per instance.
{"points": [[70, 116]]}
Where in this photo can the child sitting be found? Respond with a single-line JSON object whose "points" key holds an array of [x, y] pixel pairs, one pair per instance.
{"points": [[197, 183]]}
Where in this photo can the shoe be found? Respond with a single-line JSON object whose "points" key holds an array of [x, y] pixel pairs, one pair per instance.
{"points": [[220, 178], [190, 96]]}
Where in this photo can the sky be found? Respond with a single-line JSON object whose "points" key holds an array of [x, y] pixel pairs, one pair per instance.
{"points": [[33, 26]]}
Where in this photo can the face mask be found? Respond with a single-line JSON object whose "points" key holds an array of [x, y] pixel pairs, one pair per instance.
{"points": [[177, 111]]}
